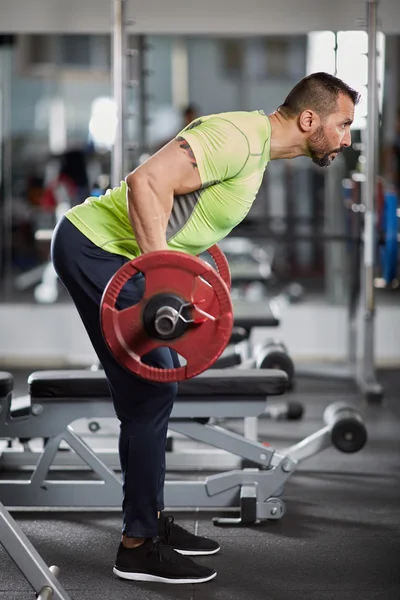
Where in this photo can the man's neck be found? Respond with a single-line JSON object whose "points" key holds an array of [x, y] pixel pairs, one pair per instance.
{"points": [[285, 138]]}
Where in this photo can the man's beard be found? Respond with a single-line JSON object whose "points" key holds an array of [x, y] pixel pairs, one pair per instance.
{"points": [[319, 148]]}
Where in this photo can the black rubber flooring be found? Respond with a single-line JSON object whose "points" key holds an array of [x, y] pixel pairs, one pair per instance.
{"points": [[339, 540]]}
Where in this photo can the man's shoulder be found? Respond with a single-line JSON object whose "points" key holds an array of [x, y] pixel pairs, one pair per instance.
{"points": [[233, 116], [249, 123], [236, 133], [254, 127]]}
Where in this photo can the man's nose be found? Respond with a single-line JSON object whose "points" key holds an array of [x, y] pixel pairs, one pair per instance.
{"points": [[347, 139]]}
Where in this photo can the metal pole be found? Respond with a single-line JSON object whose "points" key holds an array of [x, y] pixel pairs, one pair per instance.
{"points": [[371, 388], [6, 165], [118, 82], [2, 205], [143, 96]]}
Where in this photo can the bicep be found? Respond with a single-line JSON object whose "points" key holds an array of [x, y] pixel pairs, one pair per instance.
{"points": [[173, 169]]}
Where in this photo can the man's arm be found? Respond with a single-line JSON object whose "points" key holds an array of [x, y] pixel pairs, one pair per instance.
{"points": [[151, 189]]}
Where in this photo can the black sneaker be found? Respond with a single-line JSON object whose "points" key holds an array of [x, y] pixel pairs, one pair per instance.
{"points": [[183, 541], [156, 562]]}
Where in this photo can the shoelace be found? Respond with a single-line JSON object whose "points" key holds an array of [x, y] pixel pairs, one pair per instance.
{"points": [[156, 547], [163, 551]]}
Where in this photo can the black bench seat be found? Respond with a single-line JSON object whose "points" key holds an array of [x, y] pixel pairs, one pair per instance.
{"points": [[217, 382], [265, 316], [6, 383]]}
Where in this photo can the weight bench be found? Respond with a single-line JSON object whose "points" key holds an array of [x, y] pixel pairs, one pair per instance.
{"points": [[245, 323], [42, 578], [266, 355], [238, 351], [58, 398]]}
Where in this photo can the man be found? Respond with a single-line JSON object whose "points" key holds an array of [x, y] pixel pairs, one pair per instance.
{"points": [[186, 197]]}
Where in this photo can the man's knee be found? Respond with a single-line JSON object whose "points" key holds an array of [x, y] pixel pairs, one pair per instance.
{"points": [[145, 401]]}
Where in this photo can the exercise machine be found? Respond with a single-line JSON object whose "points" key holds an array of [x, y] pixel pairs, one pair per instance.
{"points": [[42, 578]]}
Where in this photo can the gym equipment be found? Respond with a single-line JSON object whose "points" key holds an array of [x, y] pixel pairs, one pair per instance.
{"points": [[293, 292], [266, 355], [390, 229], [387, 236], [42, 578], [347, 427], [222, 266], [272, 354], [221, 263], [250, 266], [368, 383], [362, 372], [285, 411], [186, 306], [59, 398], [345, 430]]}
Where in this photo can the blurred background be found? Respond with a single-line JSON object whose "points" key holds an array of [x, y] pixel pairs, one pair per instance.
{"points": [[58, 123]]}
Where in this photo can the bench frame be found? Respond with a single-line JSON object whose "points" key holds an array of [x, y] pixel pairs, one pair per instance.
{"points": [[255, 492], [42, 578], [52, 419]]}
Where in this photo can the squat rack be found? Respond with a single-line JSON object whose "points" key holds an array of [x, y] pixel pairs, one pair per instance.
{"points": [[362, 309], [372, 390]]}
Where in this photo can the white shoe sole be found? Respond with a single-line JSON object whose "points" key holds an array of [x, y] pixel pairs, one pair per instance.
{"points": [[197, 552], [156, 579]]}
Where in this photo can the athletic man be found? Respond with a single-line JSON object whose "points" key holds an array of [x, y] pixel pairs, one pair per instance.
{"points": [[186, 197]]}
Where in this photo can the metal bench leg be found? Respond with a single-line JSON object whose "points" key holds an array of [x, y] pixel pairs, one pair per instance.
{"points": [[42, 578]]}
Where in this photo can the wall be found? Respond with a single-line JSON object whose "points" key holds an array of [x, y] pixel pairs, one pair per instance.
{"points": [[29, 94], [53, 336], [206, 17], [215, 90]]}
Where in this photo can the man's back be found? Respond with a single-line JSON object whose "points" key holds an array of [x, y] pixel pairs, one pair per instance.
{"points": [[231, 151]]}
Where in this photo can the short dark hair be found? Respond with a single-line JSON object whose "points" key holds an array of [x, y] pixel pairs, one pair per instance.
{"points": [[318, 92]]}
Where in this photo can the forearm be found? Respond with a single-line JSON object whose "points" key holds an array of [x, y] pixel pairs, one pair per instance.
{"points": [[148, 211]]}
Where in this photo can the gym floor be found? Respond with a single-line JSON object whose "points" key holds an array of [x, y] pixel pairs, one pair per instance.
{"points": [[339, 540]]}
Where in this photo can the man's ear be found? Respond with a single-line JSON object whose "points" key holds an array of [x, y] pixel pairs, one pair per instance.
{"points": [[308, 120]]}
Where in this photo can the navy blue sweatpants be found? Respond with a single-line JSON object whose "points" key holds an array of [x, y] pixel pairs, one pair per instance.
{"points": [[142, 407]]}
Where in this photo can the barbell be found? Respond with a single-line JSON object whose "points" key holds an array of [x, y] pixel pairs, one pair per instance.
{"points": [[186, 306]]}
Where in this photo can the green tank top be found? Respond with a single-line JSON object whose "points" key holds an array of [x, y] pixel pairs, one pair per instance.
{"points": [[231, 151]]}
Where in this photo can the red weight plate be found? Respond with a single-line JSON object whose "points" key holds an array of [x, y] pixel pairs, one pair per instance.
{"points": [[188, 277], [221, 263]]}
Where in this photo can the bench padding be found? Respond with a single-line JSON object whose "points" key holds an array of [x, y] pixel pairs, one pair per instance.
{"points": [[267, 317], [218, 382], [6, 383]]}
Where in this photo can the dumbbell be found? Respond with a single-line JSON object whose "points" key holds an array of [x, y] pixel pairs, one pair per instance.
{"points": [[284, 411], [348, 430], [274, 355]]}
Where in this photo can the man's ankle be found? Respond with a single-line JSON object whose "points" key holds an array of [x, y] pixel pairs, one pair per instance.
{"points": [[130, 543]]}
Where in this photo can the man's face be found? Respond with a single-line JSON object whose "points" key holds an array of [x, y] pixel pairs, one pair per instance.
{"points": [[333, 135]]}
